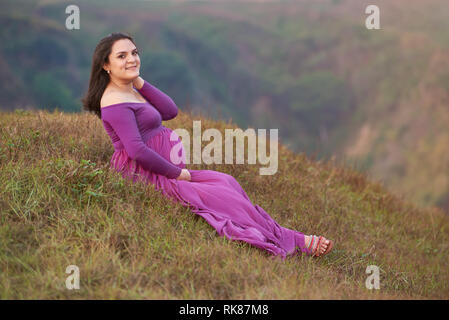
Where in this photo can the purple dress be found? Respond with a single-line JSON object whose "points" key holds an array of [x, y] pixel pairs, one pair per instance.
{"points": [[142, 153]]}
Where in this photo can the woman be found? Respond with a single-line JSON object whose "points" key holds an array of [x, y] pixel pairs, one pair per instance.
{"points": [[133, 120]]}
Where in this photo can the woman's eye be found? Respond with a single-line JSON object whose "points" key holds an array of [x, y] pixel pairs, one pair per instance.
{"points": [[120, 56]]}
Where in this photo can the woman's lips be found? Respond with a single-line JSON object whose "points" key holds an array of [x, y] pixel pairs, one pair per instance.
{"points": [[132, 68]]}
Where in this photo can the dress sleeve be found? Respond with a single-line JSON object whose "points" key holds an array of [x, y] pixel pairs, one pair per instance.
{"points": [[123, 121], [161, 101]]}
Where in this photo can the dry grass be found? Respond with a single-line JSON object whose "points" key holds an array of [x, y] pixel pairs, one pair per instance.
{"points": [[60, 205]]}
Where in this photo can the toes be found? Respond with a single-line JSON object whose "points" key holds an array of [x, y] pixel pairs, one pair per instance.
{"points": [[323, 246]]}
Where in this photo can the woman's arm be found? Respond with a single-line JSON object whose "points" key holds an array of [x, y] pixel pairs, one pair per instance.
{"points": [[162, 102], [123, 121]]}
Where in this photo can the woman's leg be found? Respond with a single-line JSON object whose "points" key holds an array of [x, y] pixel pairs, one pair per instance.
{"points": [[222, 202]]}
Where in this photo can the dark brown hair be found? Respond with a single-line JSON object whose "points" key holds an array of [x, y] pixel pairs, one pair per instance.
{"points": [[99, 78]]}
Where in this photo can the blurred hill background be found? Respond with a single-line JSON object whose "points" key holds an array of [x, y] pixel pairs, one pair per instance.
{"points": [[375, 99]]}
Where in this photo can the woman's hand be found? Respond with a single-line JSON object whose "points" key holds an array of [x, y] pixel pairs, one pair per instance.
{"points": [[138, 82], [185, 175]]}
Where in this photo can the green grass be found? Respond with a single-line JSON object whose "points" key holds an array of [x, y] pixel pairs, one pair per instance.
{"points": [[60, 205]]}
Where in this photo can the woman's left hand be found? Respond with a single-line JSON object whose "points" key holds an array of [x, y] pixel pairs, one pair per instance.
{"points": [[138, 82]]}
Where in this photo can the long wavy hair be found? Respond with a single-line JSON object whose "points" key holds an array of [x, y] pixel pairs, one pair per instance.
{"points": [[99, 78]]}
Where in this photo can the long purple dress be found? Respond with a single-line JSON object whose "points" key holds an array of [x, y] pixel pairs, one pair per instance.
{"points": [[142, 152]]}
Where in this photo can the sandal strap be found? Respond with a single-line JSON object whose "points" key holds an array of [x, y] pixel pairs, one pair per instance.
{"points": [[319, 242], [309, 247], [313, 244]]}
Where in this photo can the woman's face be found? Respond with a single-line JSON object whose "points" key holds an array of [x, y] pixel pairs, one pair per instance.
{"points": [[124, 61]]}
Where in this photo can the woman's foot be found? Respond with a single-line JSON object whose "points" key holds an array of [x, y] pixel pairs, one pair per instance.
{"points": [[318, 246]]}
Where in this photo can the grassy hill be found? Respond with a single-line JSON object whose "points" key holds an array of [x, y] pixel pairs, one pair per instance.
{"points": [[60, 205]]}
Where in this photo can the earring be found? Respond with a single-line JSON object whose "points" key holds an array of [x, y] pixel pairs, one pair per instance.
{"points": [[109, 71]]}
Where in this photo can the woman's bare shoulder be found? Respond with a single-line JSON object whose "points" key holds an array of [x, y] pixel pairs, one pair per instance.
{"points": [[111, 97]]}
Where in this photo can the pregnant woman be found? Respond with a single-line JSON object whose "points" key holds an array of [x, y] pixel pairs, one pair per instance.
{"points": [[132, 111]]}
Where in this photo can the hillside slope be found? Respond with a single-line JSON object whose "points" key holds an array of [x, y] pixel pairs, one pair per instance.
{"points": [[61, 206]]}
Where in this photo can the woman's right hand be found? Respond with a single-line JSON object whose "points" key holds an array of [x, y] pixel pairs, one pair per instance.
{"points": [[185, 175]]}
